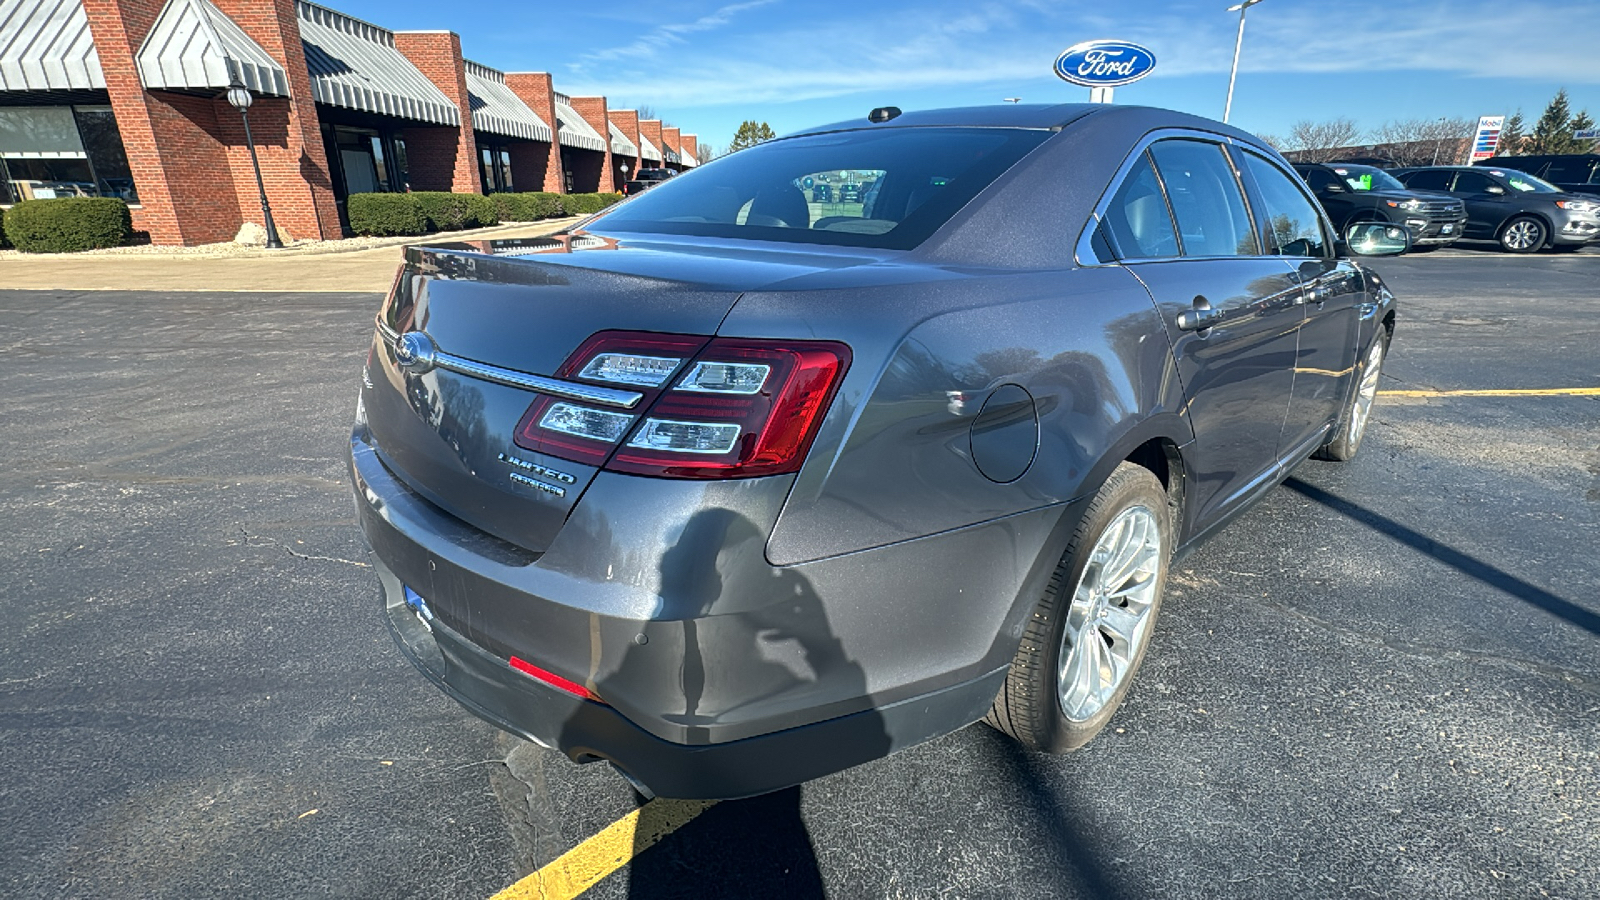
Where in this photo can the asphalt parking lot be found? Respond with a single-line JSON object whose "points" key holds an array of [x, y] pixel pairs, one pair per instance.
{"points": [[1383, 681]]}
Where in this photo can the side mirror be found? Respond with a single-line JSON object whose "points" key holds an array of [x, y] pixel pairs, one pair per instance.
{"points": [[1376, 239], [1334, 189], [1494, 189]]}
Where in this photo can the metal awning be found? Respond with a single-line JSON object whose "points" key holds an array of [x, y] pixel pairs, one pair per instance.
{"points": [[355, 65], [620, 145], [195, 46], [648, 150], [496, 109], [574, 131], [45, 45]]}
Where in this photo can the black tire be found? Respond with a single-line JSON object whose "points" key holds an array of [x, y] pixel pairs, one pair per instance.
{"points": [[1031, 706], [1523, 234], [1346, 440]]}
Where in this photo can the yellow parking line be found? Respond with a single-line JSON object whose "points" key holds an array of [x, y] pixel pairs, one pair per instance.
{"points": [[1530, 392], [583, 866]]}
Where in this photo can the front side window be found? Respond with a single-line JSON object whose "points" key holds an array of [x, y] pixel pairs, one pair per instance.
{"points": [[1472, 183], [889, 188], [1368, 178], [1137, 219], [1205, 198], [1292, 224], [1529, 184]]}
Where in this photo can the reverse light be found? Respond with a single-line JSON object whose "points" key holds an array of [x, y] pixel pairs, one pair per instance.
{"points": [[622, 368], [586, 422], [685, 437]]}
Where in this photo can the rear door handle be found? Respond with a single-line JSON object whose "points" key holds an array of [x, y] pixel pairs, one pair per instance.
{"points": [[1201, 317]]}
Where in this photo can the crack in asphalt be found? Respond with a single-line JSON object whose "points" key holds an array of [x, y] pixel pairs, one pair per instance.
{"points": [[249, 540]]}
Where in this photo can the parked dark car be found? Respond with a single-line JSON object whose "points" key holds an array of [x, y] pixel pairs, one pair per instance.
{"points": [[822, 193], [849, 193], [1352, 193], [738, 497], [644, 179], [1521, 212], [1575, 173]]}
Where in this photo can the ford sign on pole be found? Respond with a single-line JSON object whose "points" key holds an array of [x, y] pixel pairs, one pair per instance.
{"points": [[1103, 65]]}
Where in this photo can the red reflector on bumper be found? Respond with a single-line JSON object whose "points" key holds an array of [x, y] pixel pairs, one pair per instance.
{"points": [[552, 679]]}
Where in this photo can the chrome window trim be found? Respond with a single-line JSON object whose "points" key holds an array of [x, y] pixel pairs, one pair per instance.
{"points": [[1328, 233], [568, 390], [1084, 254]]}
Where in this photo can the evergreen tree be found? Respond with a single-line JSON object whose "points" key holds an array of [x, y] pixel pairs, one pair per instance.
{"points": [[1513, 134], [750, 134], [1553, 133]]}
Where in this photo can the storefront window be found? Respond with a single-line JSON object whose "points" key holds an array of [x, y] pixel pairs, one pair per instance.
{"points": [[494, 169], [62, 151]]}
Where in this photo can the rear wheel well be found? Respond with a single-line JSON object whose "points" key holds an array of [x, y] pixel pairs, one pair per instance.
{"points": [[1161, 457]]}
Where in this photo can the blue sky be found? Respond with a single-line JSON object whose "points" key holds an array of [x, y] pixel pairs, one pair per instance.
{"points": [[706, 66]]}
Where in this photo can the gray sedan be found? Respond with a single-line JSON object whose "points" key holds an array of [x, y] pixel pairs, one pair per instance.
{"points": [[733, 492]]}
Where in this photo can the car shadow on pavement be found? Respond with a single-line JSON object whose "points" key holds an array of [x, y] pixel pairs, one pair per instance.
{"points": [[1470, 566]]}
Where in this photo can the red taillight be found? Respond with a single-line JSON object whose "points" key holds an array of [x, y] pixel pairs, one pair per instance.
{"points": [[554, 680], [712, 408], [776, 423]]}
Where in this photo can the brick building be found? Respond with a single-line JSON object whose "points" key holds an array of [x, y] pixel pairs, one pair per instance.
{"points": [[124, 98]]}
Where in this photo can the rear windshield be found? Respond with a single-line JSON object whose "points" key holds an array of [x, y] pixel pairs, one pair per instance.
{"points": [[888, 189]]}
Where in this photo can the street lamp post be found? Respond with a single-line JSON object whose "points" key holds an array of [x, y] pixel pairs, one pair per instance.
{"points": [[239, 98], [1238, 42]]}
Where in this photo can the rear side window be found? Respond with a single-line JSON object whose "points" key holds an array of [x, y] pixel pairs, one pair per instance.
{"points": [[1293, 226], [888, 188], [1429, 181], [1137, 219], [1321, 179], [1205, 198]]}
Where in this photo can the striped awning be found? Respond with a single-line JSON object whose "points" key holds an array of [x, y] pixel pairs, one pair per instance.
{"points": [[45, 45], [648, 151], [355, 65], [496, 109], [574, 131], [620, 145], [195, 46]]}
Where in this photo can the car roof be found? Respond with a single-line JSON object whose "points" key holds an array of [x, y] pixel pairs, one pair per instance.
{"points": [[1034, 115]]}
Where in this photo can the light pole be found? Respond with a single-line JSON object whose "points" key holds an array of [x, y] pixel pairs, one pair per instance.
{"points": [[239, 98], [1237, 43]]}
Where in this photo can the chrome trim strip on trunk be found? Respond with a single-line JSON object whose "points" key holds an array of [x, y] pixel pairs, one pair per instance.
{"points": [[569, 390]]}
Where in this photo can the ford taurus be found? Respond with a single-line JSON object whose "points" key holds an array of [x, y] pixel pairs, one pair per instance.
{"points": [[734, 489]]}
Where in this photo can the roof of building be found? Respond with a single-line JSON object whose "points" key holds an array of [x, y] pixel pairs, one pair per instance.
{"points": [[574, 130], [195, 46], [354, 64], [620, 144], [496, 109], [46, 45]]}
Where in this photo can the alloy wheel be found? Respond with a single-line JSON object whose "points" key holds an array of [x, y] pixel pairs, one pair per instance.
{"points": [[1109, 621], [1366, 392]]}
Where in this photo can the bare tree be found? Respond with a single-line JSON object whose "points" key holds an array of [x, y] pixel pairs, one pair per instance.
{"points": [[1424, 142], [646, 111], [1273, 141], [1321, 141], [705, 153]]}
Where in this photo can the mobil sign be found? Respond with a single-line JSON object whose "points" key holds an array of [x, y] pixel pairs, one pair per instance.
{"points": [[1104, 64], [1487, 140]]}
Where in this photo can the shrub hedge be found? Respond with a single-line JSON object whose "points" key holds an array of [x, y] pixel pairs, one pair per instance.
{"points": [[385, 214], [3, 242], [68, 224], [420, 212]]}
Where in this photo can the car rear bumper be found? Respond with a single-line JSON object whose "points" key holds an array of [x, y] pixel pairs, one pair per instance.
{"points": [[587, 731], [751, 697]]}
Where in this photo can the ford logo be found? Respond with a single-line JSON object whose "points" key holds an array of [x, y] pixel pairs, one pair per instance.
{"points": [[415, 353], [1105, 63]]}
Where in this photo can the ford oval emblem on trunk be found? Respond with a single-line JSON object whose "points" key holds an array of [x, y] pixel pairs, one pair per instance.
{"points": [[414, 351], [1104, 63]]}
